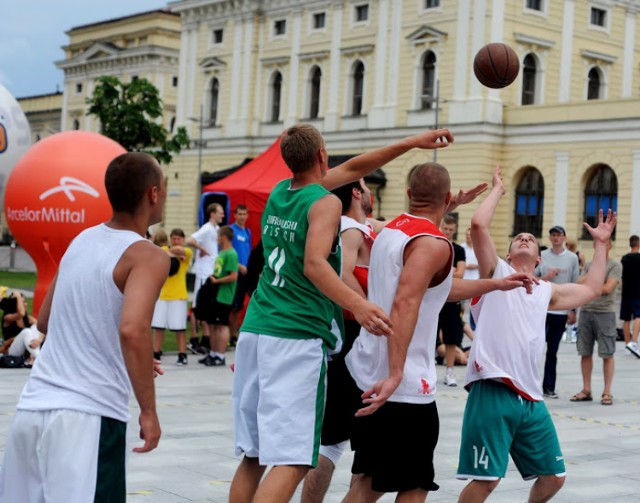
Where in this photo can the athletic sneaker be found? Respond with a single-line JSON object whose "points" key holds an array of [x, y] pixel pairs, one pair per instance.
{"points": [[194, 349], [450, 378], [182, 359], [215, 361], [632, 347], [157, 355], [550, 394]]}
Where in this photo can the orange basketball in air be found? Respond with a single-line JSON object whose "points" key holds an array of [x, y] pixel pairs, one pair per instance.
{"points": [[496, 65]]}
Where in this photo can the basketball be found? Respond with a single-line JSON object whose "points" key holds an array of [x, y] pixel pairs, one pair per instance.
{"points": [[496, 65]]}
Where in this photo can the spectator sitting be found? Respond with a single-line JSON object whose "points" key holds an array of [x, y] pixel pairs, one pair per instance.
{"points": [[19, 329]]}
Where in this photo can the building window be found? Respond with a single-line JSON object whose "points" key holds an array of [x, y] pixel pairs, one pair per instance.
{"points": [[276, 93], [600, 193], [319, 20], [174, 81], [362, 13], [427, 91], [314, 95], [358, 88], [280, 27], [534, 5], [218, 36], [430, 4], [594, 85], [76, 124], [78, 88], [529, 206], [598, 17], [134, 78], [172, 124], [213, 104], [529, 71]]}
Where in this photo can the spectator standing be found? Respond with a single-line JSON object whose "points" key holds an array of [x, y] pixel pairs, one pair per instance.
{"points": [[597, 323], [224, 278], [170, 312], [68, 438], [559, 266], [205, 241], [630, 301], [242, 246], [470, 272]]}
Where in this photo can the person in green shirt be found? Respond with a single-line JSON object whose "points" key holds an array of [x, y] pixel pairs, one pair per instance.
{"points": [[225, 277]]}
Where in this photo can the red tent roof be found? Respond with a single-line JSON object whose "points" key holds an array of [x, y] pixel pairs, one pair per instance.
{"points": [[252, 184]]}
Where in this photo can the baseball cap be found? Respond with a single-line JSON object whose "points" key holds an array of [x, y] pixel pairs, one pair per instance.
{"points": [[559, 229]]}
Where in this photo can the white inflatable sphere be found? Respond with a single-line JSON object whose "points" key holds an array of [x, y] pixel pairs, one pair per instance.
{"points": [[15, 136]]}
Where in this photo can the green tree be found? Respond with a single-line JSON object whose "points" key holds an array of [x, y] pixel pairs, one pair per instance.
{"points": [[128, 114]]}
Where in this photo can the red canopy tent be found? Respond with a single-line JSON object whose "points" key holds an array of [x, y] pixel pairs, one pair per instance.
{"points": [[250, 185]]}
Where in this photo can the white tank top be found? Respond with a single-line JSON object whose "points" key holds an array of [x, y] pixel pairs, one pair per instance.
{"points": [[81, 365], [510, 336], [368, 359]]}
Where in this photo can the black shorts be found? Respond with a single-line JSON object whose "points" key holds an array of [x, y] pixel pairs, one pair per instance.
{"points": [[450, 322], [387, 442], [219, 314], [342, 400], [629, 308], [241, 292]]}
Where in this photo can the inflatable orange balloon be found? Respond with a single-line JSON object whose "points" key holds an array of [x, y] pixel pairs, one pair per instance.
{"points": [[55, 191]]}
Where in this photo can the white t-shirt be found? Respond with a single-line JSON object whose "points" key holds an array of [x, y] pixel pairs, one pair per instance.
{"points": [[207, 237], [510, 336], [471, 259]]}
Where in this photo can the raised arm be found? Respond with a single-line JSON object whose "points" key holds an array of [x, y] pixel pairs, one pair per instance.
{"points": [[360, 166], [483, 243], [572, 295]]}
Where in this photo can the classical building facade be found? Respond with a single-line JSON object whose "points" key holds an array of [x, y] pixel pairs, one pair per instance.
{"points": [[566, 132], [237, 72]]}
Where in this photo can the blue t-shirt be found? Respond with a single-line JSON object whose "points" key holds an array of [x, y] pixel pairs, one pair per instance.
{"points": [[241, 243]]}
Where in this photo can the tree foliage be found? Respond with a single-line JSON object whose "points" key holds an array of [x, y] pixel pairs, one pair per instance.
{"points": [[128, 114]]}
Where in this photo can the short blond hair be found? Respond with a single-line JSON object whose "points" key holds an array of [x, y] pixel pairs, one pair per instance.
{"points": [[299, 147]]}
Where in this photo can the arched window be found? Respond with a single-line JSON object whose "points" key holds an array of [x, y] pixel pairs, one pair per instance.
{"points": [[314, 92], [427, 91], [172, 124], [529, 205], [213, 103], [76, 124], [593, 87], [600, 193], [358, 88], [276, 93], [529, 70]]}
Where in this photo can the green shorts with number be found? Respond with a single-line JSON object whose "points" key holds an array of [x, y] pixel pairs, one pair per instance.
{"points": [[498, 422]]}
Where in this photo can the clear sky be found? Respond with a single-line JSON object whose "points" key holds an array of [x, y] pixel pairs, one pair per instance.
{"points": [[32, 33]]}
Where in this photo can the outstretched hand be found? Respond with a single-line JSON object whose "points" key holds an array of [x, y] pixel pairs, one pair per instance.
{"points": [[434, 138], [466, 196], [605, 226], [377, 396], [517, 280]]}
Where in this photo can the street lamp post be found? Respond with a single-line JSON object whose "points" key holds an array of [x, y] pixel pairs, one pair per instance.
{"points": [[200, 122]]}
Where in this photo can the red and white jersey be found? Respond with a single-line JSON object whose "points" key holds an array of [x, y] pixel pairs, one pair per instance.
{"points": [[361, 271], [368, 359], [510, 336]]}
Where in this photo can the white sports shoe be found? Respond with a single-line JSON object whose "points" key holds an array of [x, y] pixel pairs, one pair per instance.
{"points": [[633, 348], [450, 378]]}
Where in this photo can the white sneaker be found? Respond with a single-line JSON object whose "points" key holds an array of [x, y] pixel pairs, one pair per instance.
{"points": [[450, 379], [632, 347]]}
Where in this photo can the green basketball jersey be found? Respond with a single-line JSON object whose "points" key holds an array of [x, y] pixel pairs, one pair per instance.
{"points": [[286, 303]]}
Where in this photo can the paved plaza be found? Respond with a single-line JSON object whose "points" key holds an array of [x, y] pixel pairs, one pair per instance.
{"points": [[195, 460]]}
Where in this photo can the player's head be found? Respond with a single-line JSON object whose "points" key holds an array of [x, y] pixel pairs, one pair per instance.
{"points": [[240, 214], [301, 147], [449, 226], [429, 186], [177, 237], [133, 178], [216, 213], [225, 235], [634, 241], [524, 245], [347, 192]]}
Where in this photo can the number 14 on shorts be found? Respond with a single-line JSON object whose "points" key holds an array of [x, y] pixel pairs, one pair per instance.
{"points": [[480, 457]]}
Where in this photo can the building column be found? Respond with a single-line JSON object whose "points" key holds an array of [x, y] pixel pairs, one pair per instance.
{"points": [[566, 51], [634, 218], [493, 104], [561, 189], [187, 67], [460, 108], [247, 75], [235, 124], [294, 70], [377, 113], [627, 59], [335, 75]]}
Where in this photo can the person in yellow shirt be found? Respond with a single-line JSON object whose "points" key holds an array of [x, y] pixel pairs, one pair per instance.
{"points": [[170, 312]]}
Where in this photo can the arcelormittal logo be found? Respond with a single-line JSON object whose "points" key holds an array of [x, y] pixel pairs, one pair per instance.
{"points": [[68, 185]]}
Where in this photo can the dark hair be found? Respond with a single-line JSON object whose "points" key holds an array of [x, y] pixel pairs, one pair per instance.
{"points": [[345, 192], [212, 208], [241, 207], [634, 241], [450, 219], [226, 231], [127, 179], [299, 146], [177, 232]]}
